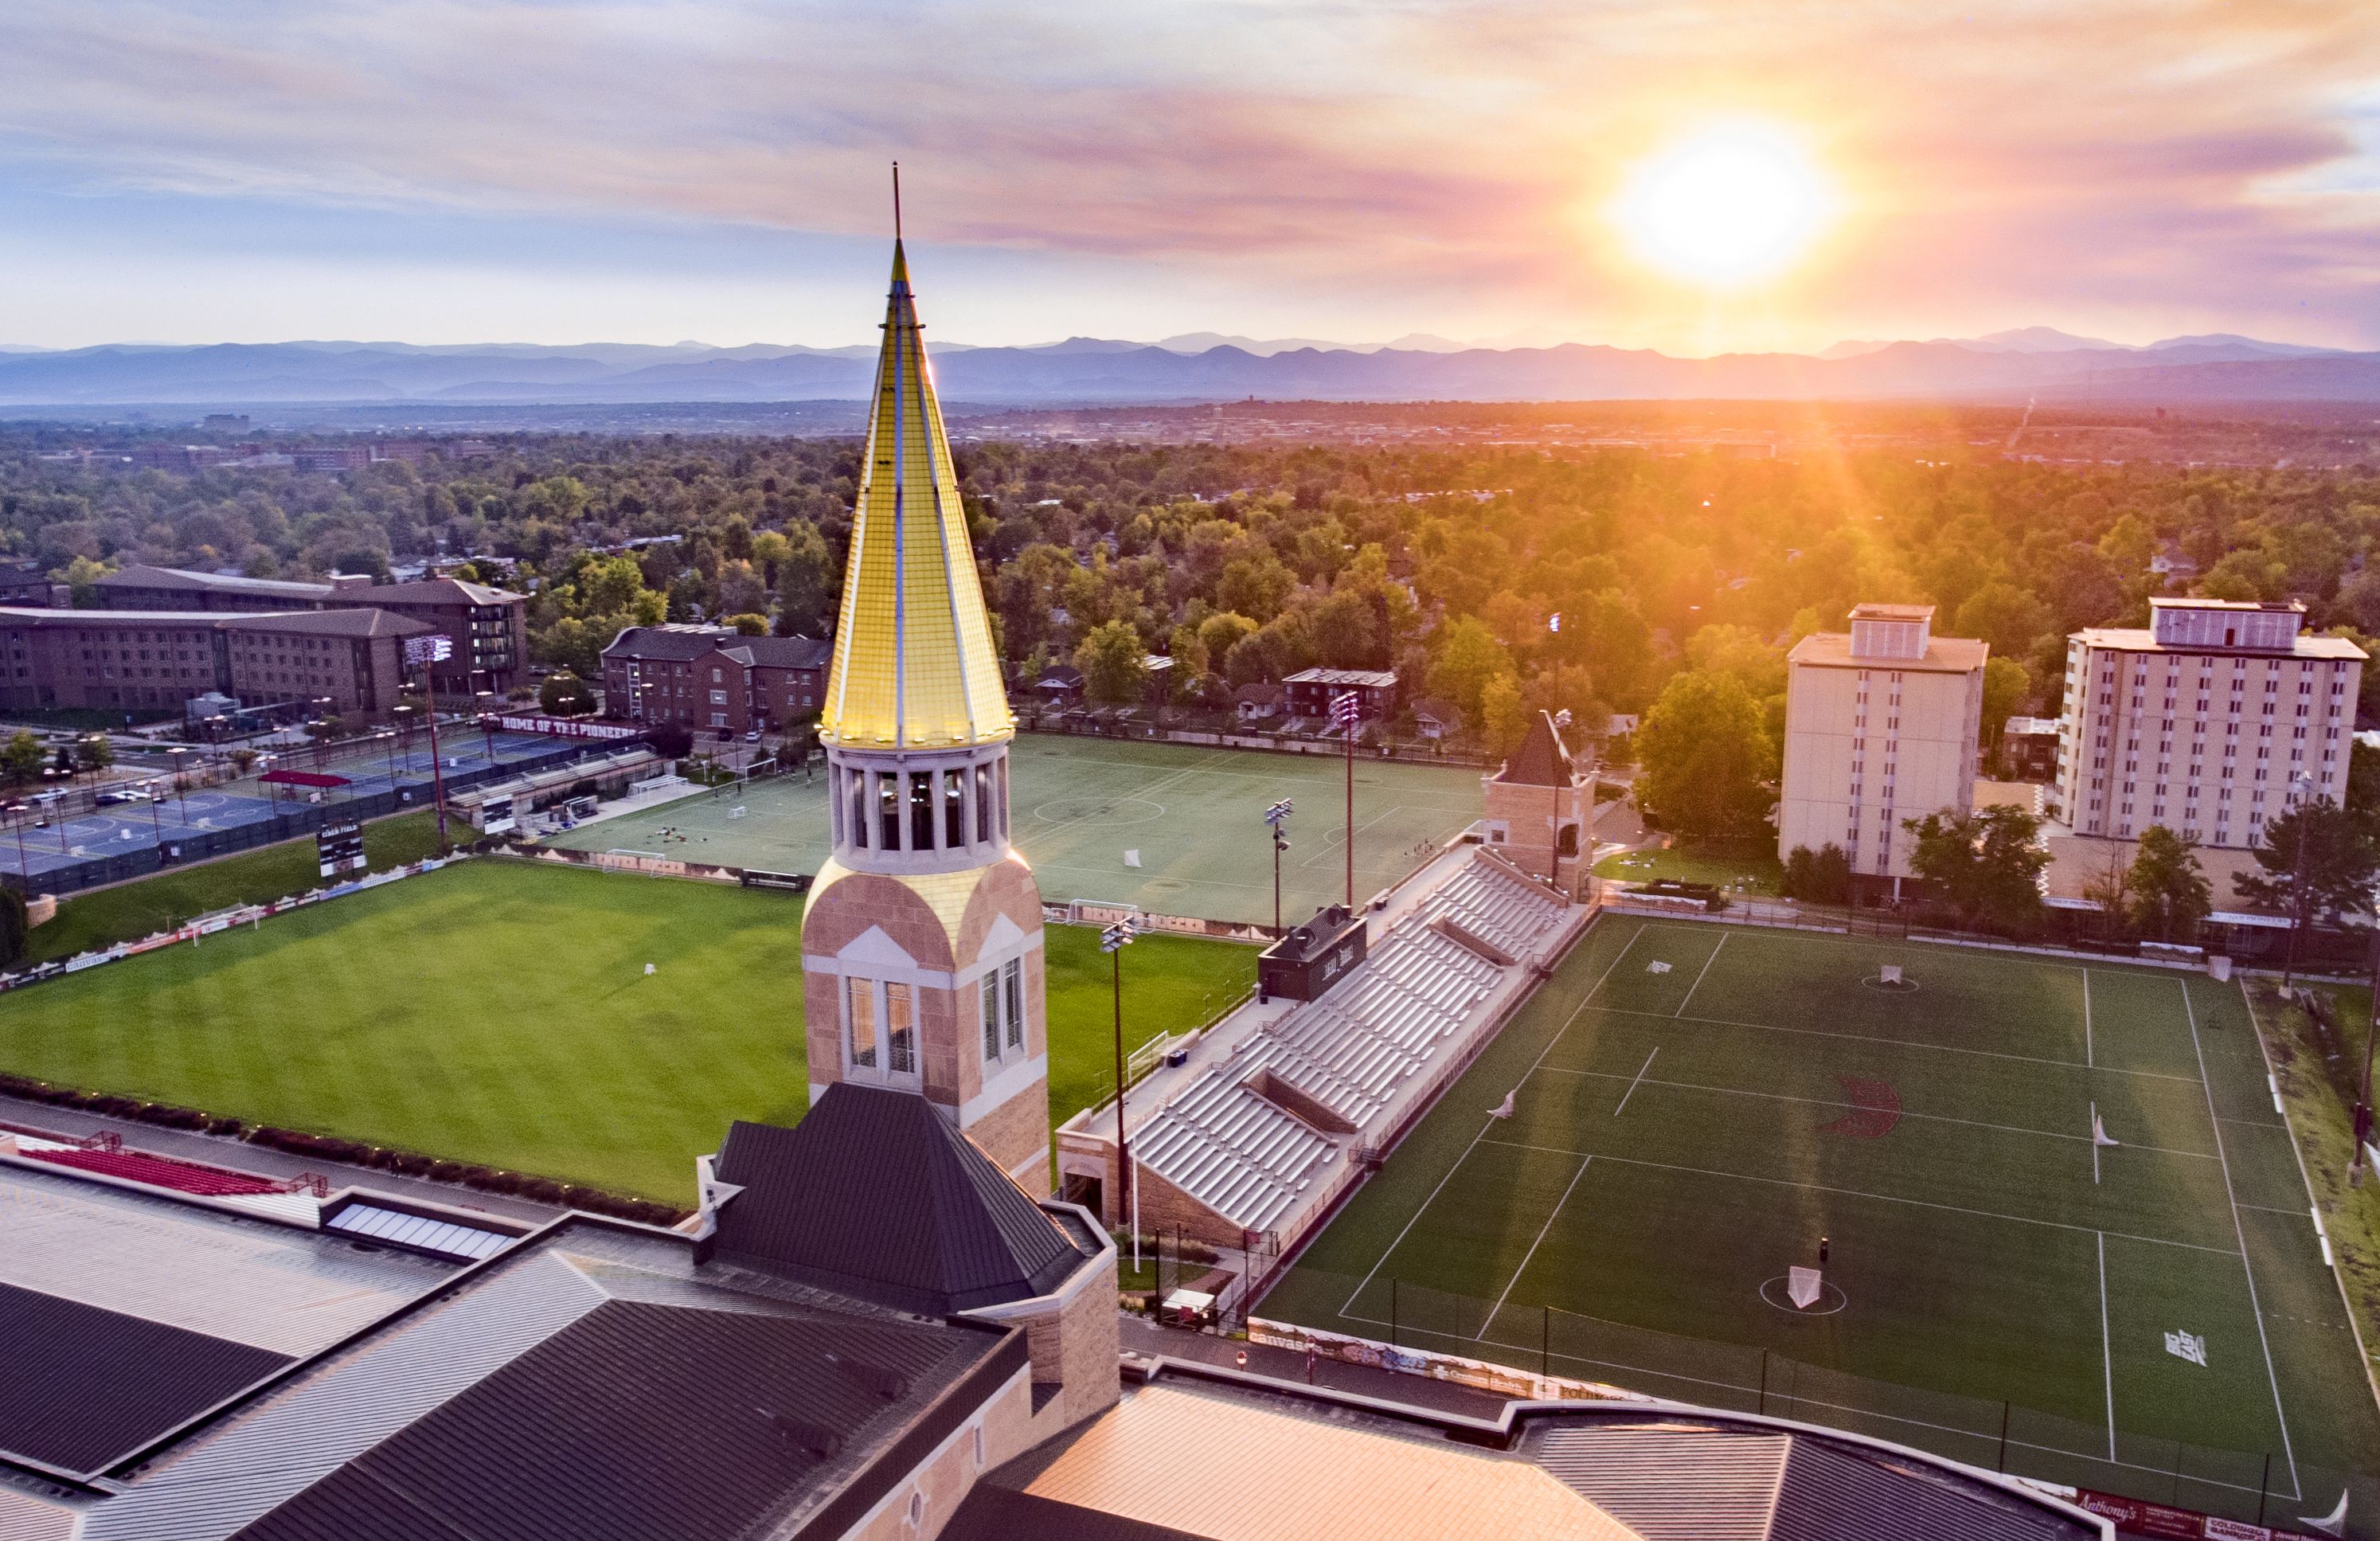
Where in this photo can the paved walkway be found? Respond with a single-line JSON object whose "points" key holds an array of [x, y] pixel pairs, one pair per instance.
{"points": [[1142, 1336], [261, 1161]]}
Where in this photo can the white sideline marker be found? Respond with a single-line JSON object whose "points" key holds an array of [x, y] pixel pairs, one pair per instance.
{"points": [[1504, 1109], [2099, 1137], [1657, 966], [2333, 1524], [1803, 1286], [1889, 974], [1132, 857], [650, 970]]}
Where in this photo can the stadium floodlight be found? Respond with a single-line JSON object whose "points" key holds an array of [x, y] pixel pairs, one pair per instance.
{"points": [[1347, 711], [1277, 816], [1114, 940]]}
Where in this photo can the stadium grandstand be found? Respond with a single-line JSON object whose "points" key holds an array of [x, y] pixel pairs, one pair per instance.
{"points": [[1280, 1106]]}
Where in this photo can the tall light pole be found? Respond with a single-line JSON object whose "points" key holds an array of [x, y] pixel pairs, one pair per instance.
{"points": [[2363, 1102], [1113, 941], [1562, 720], [2297, 882], [1347, 711], [1277, 816]]}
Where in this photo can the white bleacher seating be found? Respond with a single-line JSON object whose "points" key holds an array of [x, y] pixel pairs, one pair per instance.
{"points": [[1232, 1150], [1501, 909]]}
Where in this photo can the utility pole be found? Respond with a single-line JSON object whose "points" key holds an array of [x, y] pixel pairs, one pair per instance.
{"points": [[1113, 941], [1277, 816]]}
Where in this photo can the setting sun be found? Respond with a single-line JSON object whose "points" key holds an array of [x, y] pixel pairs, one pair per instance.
{"points": [[1730, 205]]}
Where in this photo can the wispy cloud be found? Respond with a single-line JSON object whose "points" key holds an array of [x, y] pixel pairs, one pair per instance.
{"points": [[2126, 165]]}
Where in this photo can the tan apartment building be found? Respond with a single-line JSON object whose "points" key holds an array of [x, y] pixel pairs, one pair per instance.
{"points": [[1882, 724], [2203, 720]]}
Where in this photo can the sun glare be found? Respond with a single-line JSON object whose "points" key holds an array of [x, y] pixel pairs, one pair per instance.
{"points": [[1730, 205]]}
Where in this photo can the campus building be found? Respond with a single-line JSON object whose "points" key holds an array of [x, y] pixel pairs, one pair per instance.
{"points": [[489, 628], [921, 944], [1882, 724], [2203, 722], [712, 680], [1539, 804], [340, 659]]}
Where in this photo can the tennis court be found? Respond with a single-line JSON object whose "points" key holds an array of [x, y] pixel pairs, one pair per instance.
{"points": [[1084, 810], [1695, 1106]]}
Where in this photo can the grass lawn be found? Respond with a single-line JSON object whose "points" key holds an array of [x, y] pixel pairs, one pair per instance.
{"points": [[1727, 863], [1193, 818], [499, 1012], [147, 905], [1683, 1136]]}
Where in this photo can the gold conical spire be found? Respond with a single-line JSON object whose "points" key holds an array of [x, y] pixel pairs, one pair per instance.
{"points": [[914, 666]]}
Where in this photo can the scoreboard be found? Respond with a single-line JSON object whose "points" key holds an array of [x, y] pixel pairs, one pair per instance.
{"points": [[340, 848]]}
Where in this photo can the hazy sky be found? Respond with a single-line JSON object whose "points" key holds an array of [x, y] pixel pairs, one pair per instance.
{"points": [[444, 170]]}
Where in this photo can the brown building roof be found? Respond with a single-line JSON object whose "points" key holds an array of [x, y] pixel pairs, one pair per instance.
{"points": [[1541, 761], [444, 590]]}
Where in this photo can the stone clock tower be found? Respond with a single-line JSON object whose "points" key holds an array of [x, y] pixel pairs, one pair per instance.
{"points": [[921, 947]]}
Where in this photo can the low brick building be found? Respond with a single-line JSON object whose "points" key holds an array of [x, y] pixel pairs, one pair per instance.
{"points": [[712, 680], [1311, 691], [158, 660]]}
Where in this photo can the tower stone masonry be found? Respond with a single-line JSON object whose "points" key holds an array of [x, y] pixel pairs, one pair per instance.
{"points": [[921, 945]]}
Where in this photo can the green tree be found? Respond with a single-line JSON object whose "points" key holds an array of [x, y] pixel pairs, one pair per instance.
{"points": [[2340, 859], [609, 587], [1989, 864], [1706, 757], [1221, 633], [1255, 586], [1819, 877], [1503, 717], [2363, 780], [94, 752], [14, 928], [82, 576], [2170, 894], [807, 586], [1468, 656], [21, 759], [2007, 686], [566, 694], [1114, 663], [2007, 617], [747, 624]]}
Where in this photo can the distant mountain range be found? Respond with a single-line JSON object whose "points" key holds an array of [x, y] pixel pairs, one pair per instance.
{"points": [[1195, 367]]}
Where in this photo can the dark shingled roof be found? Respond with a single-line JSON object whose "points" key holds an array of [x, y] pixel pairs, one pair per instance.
{"points": [[142, 575], [639, 1420], [875, 1194], [329, 623], [1541, 761], [80, 1385], [678, 645], [443, 590]]}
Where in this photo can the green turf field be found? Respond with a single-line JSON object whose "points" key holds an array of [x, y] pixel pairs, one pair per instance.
{"points": [[499, 1012], [1195, 815], [1682, 1136]]}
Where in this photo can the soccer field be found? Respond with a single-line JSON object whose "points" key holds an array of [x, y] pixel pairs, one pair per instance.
{"points": [[1195, 817], [2152, 1318], [499, 1012]]}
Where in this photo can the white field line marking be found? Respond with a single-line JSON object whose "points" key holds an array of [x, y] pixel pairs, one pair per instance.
{"points": [[1862, 1193], [1699, 977], [1494, 1310], [1853, 1107], [2240, 1229], [1632, 1086], [2106, 1350], [1407, 1328], [2088, 1057], [1348, 1310], [1903, 1043]]}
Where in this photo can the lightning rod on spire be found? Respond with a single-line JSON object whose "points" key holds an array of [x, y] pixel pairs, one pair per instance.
{"points": [[896, 200]]}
